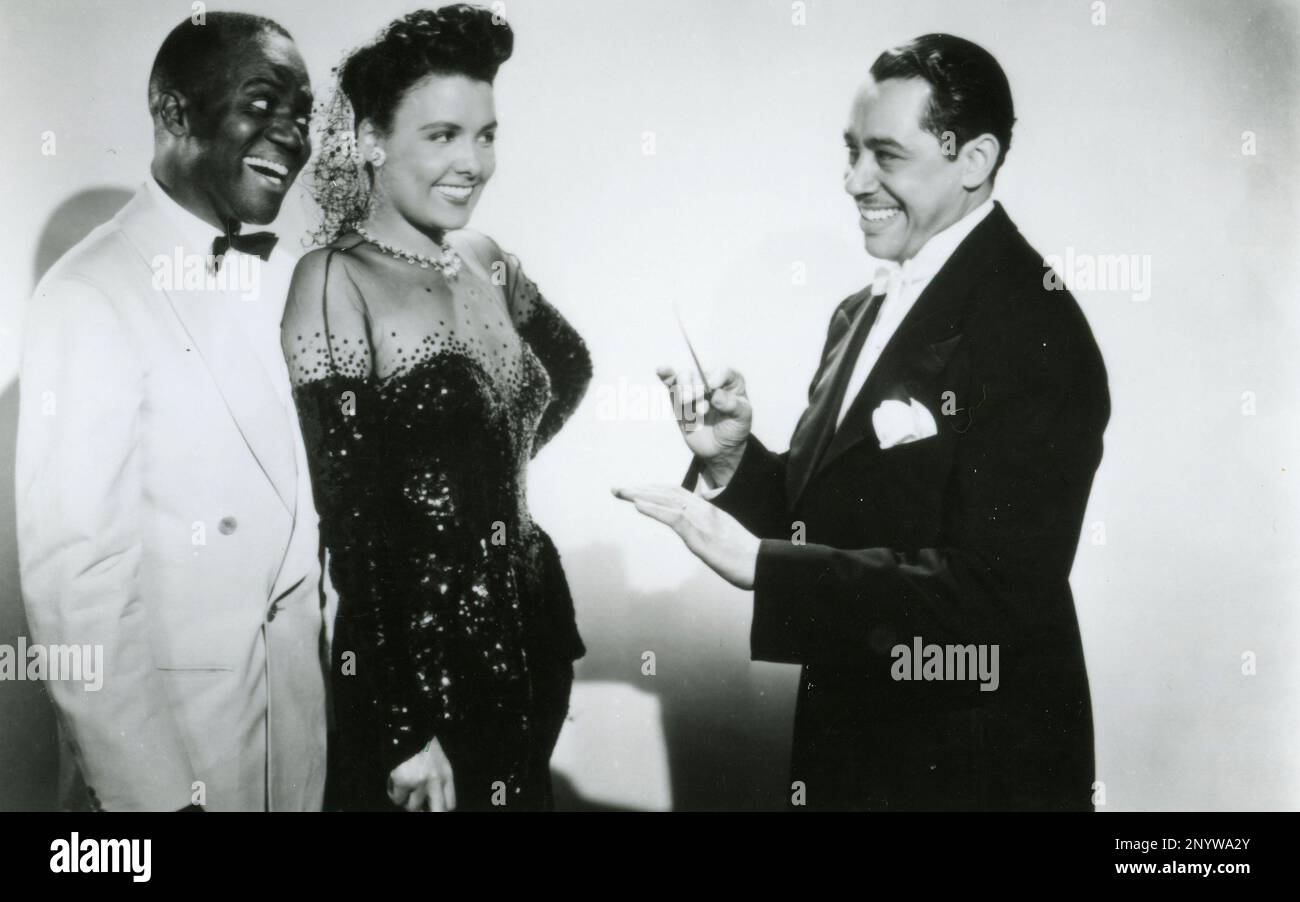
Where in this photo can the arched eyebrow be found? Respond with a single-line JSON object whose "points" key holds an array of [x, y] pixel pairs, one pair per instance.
{"points": [[455, 126]]}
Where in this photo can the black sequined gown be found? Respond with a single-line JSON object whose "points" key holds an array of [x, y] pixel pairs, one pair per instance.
{"points": [[420, 415]]}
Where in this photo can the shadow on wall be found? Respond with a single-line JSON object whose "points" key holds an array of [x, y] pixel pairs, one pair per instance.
{"points": [[28, 741], [726, 721]]}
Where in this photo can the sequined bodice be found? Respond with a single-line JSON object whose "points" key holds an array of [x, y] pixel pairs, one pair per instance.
{"points": [[422, 401]]}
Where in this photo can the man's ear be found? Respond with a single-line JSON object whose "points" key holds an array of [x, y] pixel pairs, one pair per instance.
{"points": [[978, 158], [175, 113]]}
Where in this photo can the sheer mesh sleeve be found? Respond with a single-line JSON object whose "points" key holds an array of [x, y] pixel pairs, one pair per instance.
{"points": [[555, 342], [348, 432], [326, 343]]}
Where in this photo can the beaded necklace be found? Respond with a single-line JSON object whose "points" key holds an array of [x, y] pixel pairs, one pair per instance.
{"points": [[449, 264]]}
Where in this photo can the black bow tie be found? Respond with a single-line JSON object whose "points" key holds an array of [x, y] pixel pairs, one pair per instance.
{"points": [[258, 243]]}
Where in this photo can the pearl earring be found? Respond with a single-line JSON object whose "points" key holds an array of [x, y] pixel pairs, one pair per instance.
{"points": [[377, 156]]}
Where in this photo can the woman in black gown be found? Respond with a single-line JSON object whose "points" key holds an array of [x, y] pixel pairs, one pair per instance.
{"points": [[427, 371]]}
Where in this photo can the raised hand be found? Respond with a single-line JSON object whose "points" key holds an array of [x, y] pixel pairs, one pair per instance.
{"points": [[715, 427]]}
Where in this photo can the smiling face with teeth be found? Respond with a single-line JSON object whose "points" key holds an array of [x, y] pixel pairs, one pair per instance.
{"points": [[438, 154], [905, 187], [245, 144]]}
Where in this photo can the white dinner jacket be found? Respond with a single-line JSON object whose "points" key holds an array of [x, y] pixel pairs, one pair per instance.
{"points": [[165, 513]]}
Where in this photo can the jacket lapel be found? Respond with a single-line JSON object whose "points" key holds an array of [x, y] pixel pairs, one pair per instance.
{"points": [[926, 337], [810, 432], [223, 348]]}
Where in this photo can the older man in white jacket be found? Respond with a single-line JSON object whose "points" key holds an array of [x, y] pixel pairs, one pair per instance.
{"points": [[164, 508]]}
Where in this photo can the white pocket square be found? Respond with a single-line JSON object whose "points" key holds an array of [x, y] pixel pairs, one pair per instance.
{"points": [[897, 423]]}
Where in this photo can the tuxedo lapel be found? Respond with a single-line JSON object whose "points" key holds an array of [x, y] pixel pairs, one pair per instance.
{"points": [[925, 338], [224, 349], [812, 433]]}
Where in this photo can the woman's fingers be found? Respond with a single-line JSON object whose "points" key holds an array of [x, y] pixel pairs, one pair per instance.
{"points": [[396, 795], [415, 801], [446, 780], [443, 777], [437, 800]]}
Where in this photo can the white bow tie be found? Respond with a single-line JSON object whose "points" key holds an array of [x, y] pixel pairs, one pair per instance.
{"points": [[890, 276]]}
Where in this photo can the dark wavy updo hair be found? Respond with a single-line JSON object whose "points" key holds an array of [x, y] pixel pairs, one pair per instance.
{"points": [[454, 40]]}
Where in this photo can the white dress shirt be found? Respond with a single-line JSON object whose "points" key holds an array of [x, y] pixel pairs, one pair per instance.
{"points": [[258, 312], [903, 285]]}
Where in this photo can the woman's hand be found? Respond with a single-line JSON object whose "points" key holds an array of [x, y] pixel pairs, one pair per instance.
{"points": [[424, 781]]}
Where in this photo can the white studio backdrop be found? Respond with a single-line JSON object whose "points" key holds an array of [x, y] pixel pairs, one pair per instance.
{"points": [[689, 151]]}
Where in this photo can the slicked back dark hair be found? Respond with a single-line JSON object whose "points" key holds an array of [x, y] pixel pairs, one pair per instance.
{"points": [[191, 58], [969, 93]]}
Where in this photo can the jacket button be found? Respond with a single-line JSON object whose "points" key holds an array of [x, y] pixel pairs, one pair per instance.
{"points": [[270, 615], [228, 525]]}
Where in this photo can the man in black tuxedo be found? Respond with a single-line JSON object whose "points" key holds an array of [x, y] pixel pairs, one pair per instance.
{"points": [[912, 549]]}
